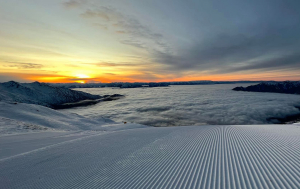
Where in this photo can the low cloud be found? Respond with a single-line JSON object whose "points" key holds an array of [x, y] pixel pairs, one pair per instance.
{"points": [[133, 32], [286, 61], [23, 65], [145, 76], [11, 77], [109, 74], [74, 3], [276, 47], [111, 64], [120, 32], [81, 79], [134, 43], [98, 14], [201, 105], [101, 26]]}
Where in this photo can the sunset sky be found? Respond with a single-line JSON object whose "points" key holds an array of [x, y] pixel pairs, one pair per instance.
{"points": [[149, 40]]}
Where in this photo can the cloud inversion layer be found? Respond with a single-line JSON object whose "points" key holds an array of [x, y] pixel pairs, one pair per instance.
{"points": [[201, 105]]}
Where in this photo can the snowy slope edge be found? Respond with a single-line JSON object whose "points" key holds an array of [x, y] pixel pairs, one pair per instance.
{"points": [[21, 117]]}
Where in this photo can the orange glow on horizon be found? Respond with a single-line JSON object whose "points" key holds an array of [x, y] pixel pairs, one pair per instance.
{"points": [[82, 78], [87, 76]]}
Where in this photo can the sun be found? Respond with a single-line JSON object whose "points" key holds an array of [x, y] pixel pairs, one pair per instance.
{"points": [[83, 76], [80, 81]]}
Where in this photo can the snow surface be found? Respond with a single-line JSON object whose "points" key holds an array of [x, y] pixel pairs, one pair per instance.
{"points": [[21, 117], [44, 148], [261, 156]]}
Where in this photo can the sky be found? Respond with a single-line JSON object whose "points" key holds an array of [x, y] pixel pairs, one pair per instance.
{"points": [[149, 40]]}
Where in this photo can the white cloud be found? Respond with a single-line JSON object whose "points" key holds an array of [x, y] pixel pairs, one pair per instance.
{"points": [[131, 31]]}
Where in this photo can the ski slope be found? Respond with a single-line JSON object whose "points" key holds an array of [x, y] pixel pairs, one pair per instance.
{"points": [[254, 156]]}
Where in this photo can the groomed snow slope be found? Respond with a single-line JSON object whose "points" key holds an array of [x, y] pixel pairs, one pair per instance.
{"points": [[261, 156]]}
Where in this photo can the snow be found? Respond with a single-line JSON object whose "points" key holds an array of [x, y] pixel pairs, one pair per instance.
{"points": [[21, 117], [41, 93], [284, 83], [44, 148], [261, 156], [9, 126]]}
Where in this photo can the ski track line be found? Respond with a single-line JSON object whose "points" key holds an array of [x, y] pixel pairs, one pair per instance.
{"points": [[166, 167], [262, 165], [94, 179], [132, 173], [280, 168], [50, 146], [273, 175], [138, 175], [203, 157], [250, 165], [183, 161], [167, 174], [115, 168], [244, 175]]}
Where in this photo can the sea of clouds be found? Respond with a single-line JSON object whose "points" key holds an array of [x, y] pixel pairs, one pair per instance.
{"points": [[192, 105]]}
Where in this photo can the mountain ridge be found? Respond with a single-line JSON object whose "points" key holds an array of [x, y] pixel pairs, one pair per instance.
{"points": [[41, 94], [287, 87]]}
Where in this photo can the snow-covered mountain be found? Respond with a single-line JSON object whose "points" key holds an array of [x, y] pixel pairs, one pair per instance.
{"points": [[288, 87], [41, 93]]}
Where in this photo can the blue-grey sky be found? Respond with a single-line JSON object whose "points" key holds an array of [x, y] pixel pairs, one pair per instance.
{"points": [[149, 40]]}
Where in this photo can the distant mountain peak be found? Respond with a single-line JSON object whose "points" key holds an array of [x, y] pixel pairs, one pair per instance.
{"points": [[12, 84], [288, 87], [41, 93]]}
